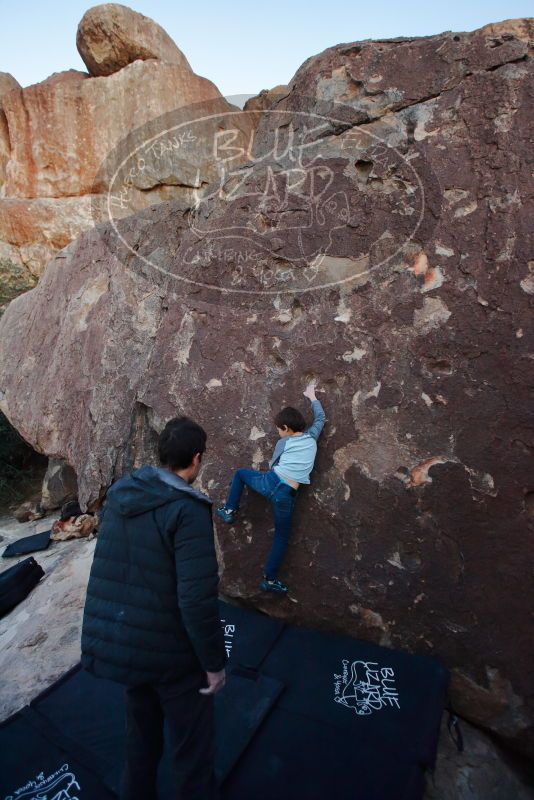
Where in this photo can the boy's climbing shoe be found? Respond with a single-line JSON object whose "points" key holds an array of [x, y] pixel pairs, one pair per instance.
{"points": [[226, 514], [273, 586]]}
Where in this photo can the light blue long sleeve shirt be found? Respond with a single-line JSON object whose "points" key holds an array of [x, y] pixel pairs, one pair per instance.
{"points": [[294, 456]]}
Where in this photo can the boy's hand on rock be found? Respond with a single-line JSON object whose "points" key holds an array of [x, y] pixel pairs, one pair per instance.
{"points": [[309, 392]]}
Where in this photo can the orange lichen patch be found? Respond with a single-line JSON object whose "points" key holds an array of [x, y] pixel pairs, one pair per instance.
{"points": [[433, 278], [418, 475], [420, 265]]}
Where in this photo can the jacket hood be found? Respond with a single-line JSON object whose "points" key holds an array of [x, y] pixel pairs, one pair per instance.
{"points": [[147, 488]]}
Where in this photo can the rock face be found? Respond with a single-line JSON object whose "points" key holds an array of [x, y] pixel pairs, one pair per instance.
{"points": [[377, 239], [111, 36], [266, 98], [55, 135], [7, 84], [54, 156], [33, 230], [59, 485], [14, 277], [481, 772]]}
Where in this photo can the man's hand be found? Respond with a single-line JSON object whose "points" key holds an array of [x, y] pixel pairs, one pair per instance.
{"points": [[309, 392], [216, 681]]}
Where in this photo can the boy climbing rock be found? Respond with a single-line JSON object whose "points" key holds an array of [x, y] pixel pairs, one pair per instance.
{"points": [[291, 464]]}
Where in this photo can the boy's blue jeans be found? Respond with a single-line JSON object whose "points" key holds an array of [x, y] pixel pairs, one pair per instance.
{"points": [[282, 497]]}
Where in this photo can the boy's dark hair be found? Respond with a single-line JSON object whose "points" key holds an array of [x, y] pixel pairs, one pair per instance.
{"points": [[292, 418], [178, 442]]}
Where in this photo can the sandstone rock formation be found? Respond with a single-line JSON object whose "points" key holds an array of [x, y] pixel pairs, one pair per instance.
{"points": [[481, 772], [377, 240], [522, 28], [55, 135], [53, 155], [110, 36], [7, 84], [59, 484], [266, 98], [33, 230], [14, 277]]}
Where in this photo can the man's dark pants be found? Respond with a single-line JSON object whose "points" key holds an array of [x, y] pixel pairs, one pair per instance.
{"points": [[189, 716]]}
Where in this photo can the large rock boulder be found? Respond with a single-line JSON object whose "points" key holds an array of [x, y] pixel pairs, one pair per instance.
{"points": [[33, 230], [14, 276], [55, 135], [377, 239], [266, 98], [111, 36], [522, 28], [59, 484], [7, 84], [482, 771], [67, 125]]}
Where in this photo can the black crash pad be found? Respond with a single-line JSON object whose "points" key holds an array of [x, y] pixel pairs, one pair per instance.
{"points": [[69, 707], [304, 714], [37, 761], [383, 698], [28, 544], [17, 582], [294, 756]]}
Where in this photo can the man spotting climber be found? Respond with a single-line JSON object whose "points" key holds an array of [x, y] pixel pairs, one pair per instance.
{"points": [[151, 618], [291, 464]]}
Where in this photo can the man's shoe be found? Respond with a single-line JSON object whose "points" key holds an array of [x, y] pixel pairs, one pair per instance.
{"points": [[227, 515], [273, 586]]}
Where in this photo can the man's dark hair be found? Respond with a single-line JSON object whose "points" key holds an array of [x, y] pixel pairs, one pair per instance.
{"points": [[292, 418], [178, 442]]}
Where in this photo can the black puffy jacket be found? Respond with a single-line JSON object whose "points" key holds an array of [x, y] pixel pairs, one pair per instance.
{"points": [[151, 613]]}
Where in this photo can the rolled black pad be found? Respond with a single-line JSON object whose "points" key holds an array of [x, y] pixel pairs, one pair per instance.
{"points": [[381, 698], [34, 759], [28, 544], [17, 582]]}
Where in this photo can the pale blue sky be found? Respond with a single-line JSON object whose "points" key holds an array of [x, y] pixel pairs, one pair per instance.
{"points": [[242, 46]]}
